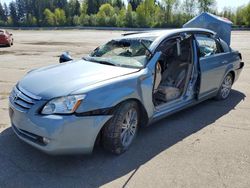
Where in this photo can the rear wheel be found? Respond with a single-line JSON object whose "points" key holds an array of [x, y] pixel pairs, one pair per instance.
{"points": [[225, 88], [121, 130]]}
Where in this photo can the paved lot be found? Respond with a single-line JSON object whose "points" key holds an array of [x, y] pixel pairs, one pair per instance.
{"points": [[205, 146]]}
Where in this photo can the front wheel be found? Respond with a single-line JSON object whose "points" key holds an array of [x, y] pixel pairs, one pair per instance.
{"points": [[121, 130], [225, 88]]}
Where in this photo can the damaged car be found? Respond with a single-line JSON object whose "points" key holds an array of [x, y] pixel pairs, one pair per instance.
{"points": [[128, 83]]}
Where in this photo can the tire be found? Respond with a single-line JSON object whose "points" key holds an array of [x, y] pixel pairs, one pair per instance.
{"points": [[119, 133], [225, 88], [9, 45]]}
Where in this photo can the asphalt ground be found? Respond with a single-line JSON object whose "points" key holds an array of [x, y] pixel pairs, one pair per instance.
{"points": [[204, 146]]}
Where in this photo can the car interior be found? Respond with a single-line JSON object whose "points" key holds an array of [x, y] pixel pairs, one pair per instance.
{"points": [[173, 70]]}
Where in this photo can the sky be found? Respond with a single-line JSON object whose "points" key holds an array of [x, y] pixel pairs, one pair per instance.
{"points": [[220, 3]]}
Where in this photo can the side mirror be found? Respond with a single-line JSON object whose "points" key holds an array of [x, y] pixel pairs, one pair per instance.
{"points": [[65, 57]]}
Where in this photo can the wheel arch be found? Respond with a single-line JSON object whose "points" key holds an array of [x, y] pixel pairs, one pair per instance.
{"points": [[144, 119], [232, 73]]}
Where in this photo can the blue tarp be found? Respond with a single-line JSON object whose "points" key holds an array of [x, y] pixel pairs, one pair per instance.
{"points": [[221, 26]]}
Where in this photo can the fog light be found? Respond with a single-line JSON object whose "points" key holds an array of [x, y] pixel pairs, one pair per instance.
{"points": [[46, 140]]}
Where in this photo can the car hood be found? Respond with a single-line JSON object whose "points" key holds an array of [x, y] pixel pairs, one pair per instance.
{"points": [[63, 79]]}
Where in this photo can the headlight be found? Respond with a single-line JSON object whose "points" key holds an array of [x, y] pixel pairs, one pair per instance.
{"points": [[63, 105]]}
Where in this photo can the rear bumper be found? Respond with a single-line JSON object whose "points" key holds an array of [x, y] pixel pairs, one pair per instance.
{"points": [[62, 134], [4, 41]]}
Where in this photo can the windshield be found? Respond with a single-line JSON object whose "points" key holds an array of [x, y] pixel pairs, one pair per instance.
{"points": [[131, 53]]}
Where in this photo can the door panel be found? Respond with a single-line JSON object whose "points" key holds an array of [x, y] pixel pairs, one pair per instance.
{"points": [[212, 62], [212, 72], [147, 84]]}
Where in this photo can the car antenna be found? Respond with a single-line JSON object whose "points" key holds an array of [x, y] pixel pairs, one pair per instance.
{"points": [[144, 45]]}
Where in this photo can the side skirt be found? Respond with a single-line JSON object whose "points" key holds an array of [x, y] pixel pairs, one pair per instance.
{"points": [[169, 111]]}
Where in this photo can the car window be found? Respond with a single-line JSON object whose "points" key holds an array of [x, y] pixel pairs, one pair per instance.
{"points": [[224, 46], [208, 46]]}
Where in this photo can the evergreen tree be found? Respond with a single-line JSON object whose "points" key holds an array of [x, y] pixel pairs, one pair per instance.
{"points": [[6, 12], [93, 6], [1, 12], [20, 5], [135, 3], [129, 16], [13, 13]]}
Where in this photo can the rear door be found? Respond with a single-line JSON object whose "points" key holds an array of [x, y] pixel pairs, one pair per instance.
{"points": [[212, 64]]}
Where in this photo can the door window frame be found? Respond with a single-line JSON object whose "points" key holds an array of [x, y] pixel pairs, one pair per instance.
{"points": [[218, 46]]}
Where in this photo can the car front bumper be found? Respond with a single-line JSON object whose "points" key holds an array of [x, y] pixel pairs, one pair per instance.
{"points": [[56, 134]]}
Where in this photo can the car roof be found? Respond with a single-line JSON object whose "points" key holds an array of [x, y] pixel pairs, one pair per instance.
{"points": [[166, 33]]}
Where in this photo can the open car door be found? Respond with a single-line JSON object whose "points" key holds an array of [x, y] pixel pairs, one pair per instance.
{"points": [[148, 83], [212, 65]]}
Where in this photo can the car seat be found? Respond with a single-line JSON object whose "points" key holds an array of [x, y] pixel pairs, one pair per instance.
{"points": [[174, 77]]}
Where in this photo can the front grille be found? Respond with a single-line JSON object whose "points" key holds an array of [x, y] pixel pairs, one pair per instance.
{"points": [[23, 99]]}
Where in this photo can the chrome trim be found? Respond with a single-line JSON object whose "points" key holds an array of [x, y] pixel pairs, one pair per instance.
{"points": [[23, 104], [23, 97], [27, 93], [22, 100]]}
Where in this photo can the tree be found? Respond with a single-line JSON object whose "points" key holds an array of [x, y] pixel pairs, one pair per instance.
{"points": [[2, 15], [74, 8], [145, 13], [93, 6], [30, 20], [60, 18], [62, 4], [106, 15], [205, 5], [129, 16], [49, 17], [121, 19], [247, 12], [139, 13], [135, 4], [13, 13], [168, 6], [84, 17], [117, 3], [6, 11], [189, 7], [20, 5]]}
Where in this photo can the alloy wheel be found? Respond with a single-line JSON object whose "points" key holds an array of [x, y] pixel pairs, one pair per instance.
{"points": [[226, 86], [129, 127]]}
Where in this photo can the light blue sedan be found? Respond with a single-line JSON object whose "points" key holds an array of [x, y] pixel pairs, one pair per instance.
{"points": [[128, 83]]}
